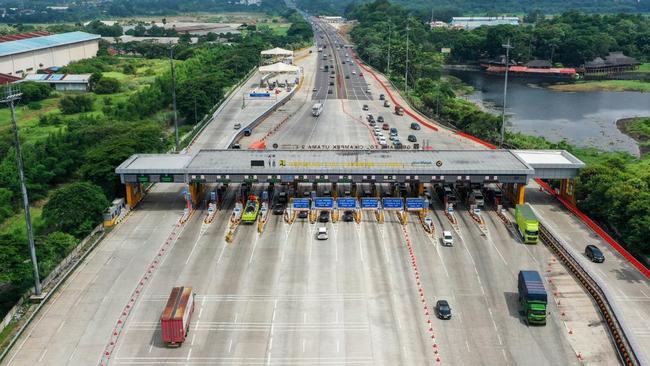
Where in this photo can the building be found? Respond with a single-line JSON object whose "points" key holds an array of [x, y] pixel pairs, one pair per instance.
{"points": [[613, 63], [539, 64], [438, 24], [26, 56], [62, 82], [332, 19], [160, 40], [470, 23]]}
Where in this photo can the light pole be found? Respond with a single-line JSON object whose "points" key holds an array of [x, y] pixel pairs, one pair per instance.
{"points": [[406, 69], [171, 61], [388, 66], [10, 96], [507, 46]]}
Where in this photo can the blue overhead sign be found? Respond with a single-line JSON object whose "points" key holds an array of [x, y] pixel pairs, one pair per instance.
{"points": [[391, 203], [370, 203], [301, 203], [323, 202], [346, 202], [259, 95], [415, 203]]}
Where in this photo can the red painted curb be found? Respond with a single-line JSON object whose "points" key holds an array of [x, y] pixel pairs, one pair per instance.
{"points": [[582, 216]]}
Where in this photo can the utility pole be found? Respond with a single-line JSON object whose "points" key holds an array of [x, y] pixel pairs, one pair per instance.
{"points": [[171, 60], [507, 46], [406, 68], [388, 62], [10, 96]]}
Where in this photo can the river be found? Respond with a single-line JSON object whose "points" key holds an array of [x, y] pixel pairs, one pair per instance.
{"points": [[585, 119]]}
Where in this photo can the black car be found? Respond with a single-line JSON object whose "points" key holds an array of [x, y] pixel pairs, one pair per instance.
{"points": [[302, 214], [324, 216], [247, 132], [348, 216], [329, 91], [278, 209], [331, 83], [382, 97], [235, 146], [365, 107], [443, 311], [380, 119], [412, 138], [415, 126], [347, 76], [592, 252]]}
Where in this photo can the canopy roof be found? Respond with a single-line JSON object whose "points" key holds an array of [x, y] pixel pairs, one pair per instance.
{"points": [[278, 67], [277, 52]]}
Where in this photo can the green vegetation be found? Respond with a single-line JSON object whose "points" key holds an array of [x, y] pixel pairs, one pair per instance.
{"points": [[609, 85], [443, 9], [638, 129], [72, 142], [570, 39], [617, 178]]}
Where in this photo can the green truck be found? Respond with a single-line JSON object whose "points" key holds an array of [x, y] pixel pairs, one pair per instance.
{"points": [[532, 297], [527, 223]]}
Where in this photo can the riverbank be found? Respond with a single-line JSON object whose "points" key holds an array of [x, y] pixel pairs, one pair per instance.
{"points": [[637, 128], [604, 85]]}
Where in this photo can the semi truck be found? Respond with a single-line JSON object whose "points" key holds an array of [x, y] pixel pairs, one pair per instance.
{"points": [[532, 297], [175, 319], [527, 223]]}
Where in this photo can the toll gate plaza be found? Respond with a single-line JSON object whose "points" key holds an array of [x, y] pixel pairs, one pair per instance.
{"points": [[512, 168]]}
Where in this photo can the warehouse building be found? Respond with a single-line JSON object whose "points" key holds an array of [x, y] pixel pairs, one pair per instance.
{"points": [[26, 56], [62, 82]]}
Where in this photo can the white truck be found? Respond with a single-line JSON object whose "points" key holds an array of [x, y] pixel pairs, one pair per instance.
{"points": [[316, 109]]}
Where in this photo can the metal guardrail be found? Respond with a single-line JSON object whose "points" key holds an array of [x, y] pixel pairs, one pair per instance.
{"points": [[616, 329]]}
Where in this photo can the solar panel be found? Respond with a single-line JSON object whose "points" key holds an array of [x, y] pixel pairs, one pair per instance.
{"points": [[56, 77]]}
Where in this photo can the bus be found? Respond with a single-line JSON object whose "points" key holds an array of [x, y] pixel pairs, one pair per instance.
{"points": [[316, 109]]}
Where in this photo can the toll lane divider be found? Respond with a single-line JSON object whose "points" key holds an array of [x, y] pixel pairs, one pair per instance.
{"points": [[425, 307], [616, 326], [144, 280], [582, 216]]}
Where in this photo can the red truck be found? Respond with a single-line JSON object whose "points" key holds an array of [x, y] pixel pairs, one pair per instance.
{"points": [[175, 319]]}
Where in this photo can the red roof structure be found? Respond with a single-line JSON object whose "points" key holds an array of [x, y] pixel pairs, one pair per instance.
{"points": [[19, 36], [7, 79]]}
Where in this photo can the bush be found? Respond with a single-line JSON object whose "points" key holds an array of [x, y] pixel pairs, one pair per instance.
{"points": [[33, 92], [75, 209], [71, 104], [34, 106], [107, 86], [129, 69]]}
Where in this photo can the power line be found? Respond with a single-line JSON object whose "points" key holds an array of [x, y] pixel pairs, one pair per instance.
{"points": [[11, 95]]}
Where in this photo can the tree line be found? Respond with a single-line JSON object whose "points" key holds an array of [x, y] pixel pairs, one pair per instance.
{"points": [[73, 169], [613, 189]]}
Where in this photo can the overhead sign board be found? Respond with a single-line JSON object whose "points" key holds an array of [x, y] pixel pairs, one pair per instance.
{"points": [[415, 204], [346, 202], [392, 203], [301, 203], [259, 95], [323, 202], [369, 203]]}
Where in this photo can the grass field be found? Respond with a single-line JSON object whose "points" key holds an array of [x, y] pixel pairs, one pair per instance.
{"points": [[604, 85], [279, 29]]}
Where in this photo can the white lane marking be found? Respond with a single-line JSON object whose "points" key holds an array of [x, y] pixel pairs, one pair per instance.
{"points": [[223, 249], [200, 312], [644, 294], [304, 317], [338, 346], [494, 323], [42, 356], [505, 356], [236, 314], [189, 354], [257, 237], [304, 345], [151, 346], [230, 346], [467, 345], [383, 242], [60, 327], [193, 337], [193, 248]]}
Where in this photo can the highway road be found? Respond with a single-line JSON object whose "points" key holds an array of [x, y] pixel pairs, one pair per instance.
{"points": [[284, 298]]}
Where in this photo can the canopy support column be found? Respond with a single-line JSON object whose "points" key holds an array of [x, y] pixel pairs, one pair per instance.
{"points": [[134, 194]]}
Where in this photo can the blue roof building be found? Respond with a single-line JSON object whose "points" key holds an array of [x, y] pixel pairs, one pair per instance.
{"points": [[25, 56]]}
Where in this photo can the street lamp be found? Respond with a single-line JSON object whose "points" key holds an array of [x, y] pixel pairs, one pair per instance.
{"points": [[171, 61], [507, 46], [10, 96]]}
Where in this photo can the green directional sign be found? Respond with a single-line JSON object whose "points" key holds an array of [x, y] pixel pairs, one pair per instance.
{"points": [[143, 178], [167, 179]]}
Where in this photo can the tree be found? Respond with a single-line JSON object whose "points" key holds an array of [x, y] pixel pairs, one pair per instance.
{"points": [[107, 85], [71, 104], [33, 91], [75, 208]]}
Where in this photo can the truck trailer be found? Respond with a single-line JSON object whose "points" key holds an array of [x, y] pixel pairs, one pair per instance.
{"points": [[175, 319], [527, 223], [532, 297]]}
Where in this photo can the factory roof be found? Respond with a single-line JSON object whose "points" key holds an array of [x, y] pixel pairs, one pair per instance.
{"points": [[38, 43]]}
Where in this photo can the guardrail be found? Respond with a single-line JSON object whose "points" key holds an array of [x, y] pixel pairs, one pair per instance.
{"points": [[615, 325], [262, 117]]}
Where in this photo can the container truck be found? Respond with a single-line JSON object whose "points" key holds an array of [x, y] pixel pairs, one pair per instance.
{"points": [[175, 319], [527, 223], [532, 297]]}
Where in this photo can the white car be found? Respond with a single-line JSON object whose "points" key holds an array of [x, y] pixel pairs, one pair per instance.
{"points": [[382, 141], [237, 126], [322, 233], [447, 239], [354, 72]]}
